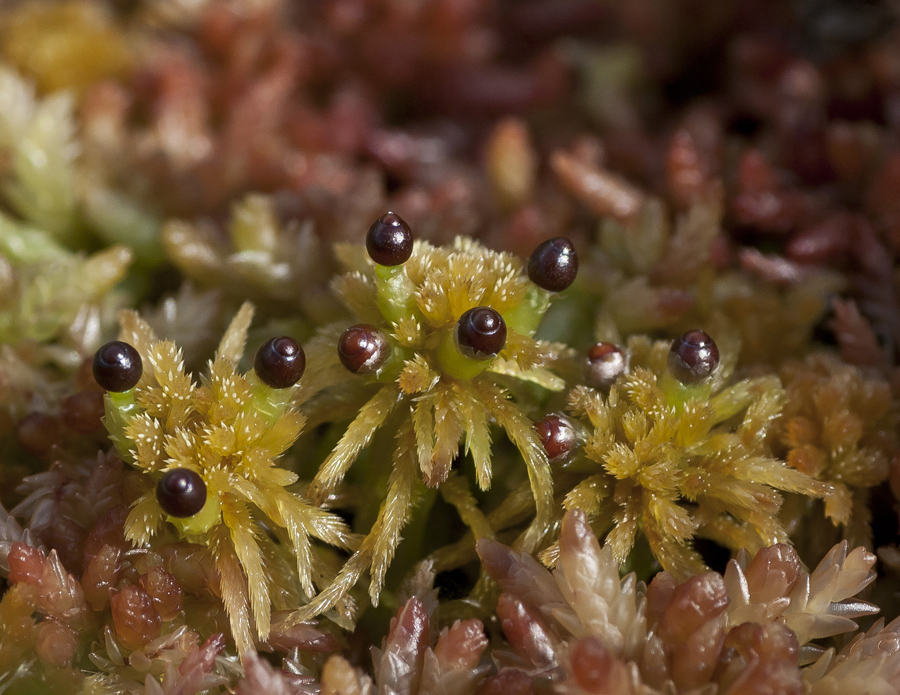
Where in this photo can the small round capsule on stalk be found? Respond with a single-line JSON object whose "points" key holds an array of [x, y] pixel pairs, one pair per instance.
{"points": [[389, 240], [557, 435], [481, 333], [605, 362], [693, 357], [181, 492], [363, 349], [117, 367], [553, 265], [280, 362]]}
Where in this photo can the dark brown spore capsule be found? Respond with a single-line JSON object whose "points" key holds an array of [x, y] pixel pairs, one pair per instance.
{"points": [[280, 362], [481, 333], [389, 240], [557, 435], [117, 366], [605, 362], [553, 265], [693, 357], [363, 349], [181, 492]]}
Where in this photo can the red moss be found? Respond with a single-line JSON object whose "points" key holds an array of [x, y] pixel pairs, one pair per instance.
{"points": [[192, 565], [687, 170], [48, 589], [770, 660], [761, 202], [825, 241], [526, 632], [108, 531], [772, 572], [693, 604], [303, 636], [509, 681], [603, 192], [461, 646], [26, 564], [596, 670], [692, 626], [38, 433], [101, 574], [135, 617], [82, 412], [162, 587], [55, 642]]}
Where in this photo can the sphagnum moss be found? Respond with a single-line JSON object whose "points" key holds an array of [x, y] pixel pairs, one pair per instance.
{"points": [[839, 425], [680, 451], [209, 453], [451, 324], [728, 175]]}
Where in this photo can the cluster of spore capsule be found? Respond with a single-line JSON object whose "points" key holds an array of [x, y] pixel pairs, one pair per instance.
{"points": [[480, 333], [363, 349], [692, 359], [181, 492]]}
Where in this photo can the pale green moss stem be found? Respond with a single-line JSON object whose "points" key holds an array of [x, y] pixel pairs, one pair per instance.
{"points": [[268, 402], [120, 409], [395, 293], [453, 362], [526, 317], [392, 367], [678, 394]]}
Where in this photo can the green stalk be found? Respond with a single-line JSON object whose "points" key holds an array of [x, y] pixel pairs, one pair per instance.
{"points": [[395, 293], [455, 364], [526, 317], [120, 409]]}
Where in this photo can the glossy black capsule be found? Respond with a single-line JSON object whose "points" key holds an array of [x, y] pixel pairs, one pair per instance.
{"points": [[280, 362], [389, 240], [363, 349], [181, 492], [117, 366], [557, 435], [693, 357], [553, 265], [481, 333], [605, 362]]}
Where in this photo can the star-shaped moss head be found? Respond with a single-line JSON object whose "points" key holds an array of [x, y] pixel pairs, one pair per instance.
{"points": [[442, 333], [681, 452], [209, 451]]}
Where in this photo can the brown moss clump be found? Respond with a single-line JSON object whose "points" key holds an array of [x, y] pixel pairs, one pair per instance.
{"points": [[746, 631], [839, 425]]}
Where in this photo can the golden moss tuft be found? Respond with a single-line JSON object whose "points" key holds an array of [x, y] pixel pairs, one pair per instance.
{"points": [[230, 429], [675, 462], [66, 45], [838, 425]]}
